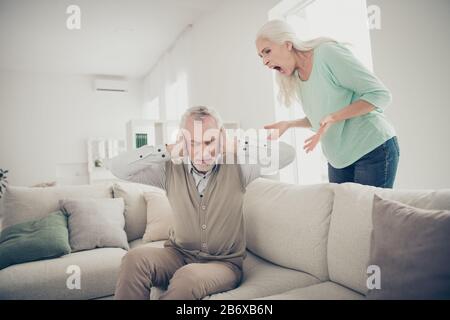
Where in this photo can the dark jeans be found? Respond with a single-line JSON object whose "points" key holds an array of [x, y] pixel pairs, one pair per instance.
{"points": [[377, 168]]}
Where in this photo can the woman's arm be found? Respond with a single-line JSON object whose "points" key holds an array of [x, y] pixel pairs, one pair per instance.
{"points": [[356, 109], [282, 126], [300, 123], [349, 72]]}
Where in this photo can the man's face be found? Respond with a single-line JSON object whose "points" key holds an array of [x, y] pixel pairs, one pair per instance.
{"points": [[203, 140]]}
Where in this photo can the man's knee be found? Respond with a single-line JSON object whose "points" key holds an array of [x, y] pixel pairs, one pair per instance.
{"points": [[132, 258], [186, 284], [194, 282], [143, 260]]}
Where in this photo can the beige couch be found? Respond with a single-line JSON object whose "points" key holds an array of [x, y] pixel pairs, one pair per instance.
{"points": [[304, 242]]}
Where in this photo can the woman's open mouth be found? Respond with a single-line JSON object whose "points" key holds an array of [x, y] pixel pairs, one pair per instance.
{"points": [[278, 68]]}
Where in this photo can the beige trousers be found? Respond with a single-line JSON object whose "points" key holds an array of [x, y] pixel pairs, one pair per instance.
{"points": [[184, 277]]}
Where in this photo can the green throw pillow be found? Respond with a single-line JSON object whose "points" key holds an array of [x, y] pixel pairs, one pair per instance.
{"points": [[34, 240]]}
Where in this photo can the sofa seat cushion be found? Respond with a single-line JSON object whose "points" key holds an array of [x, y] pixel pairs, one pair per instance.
{"points": [[262, 278], [47, 279], [324, 291]]}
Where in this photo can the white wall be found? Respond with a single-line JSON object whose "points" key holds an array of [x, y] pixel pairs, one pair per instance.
{"points": [[46, 119], [411, 55], [220, 60]]}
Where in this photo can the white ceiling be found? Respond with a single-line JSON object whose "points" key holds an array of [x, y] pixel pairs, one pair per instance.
{"points": [[117, 37]]}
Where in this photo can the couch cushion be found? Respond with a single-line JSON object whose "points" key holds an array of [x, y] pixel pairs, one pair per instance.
{"points": [[411, 248], [324, 291], [40, 239], [47, 279], [288, 224], [24, 203], [159, 217], [263, 278], [351, 227], [135, 206], [95, 223]]}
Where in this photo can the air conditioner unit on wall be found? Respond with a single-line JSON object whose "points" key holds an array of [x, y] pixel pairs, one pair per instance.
{"points": [[111, 85]]}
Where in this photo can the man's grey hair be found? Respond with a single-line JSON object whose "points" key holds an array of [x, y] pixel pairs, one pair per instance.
{"points": [[199, 113]]}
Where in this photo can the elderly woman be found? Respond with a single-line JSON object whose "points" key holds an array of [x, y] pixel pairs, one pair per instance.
{"points": [[342, 100]]}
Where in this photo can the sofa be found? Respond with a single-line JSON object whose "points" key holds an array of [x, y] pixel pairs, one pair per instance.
{"points": [[303, 242]]}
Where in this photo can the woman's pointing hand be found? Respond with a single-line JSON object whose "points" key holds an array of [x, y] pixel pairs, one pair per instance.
{"points": [[277, 129]]}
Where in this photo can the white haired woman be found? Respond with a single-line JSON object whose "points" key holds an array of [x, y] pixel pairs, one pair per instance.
{"points": [[343, 102]]}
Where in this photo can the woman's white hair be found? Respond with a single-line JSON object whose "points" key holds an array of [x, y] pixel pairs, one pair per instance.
{"points": [[280, 32], [198, 113]]}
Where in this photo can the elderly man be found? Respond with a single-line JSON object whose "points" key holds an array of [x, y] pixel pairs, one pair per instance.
{"points": [[206, 246]]}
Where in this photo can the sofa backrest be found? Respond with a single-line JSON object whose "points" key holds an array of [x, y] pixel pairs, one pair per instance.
{"points": [[351, 227], [27, 203], [288, 224]]}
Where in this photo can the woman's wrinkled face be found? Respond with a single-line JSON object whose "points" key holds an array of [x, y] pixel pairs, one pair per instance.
{"points": [[277, 57]]}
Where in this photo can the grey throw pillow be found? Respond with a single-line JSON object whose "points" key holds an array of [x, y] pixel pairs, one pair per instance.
{"points": [[411, 247], [95, 223]]}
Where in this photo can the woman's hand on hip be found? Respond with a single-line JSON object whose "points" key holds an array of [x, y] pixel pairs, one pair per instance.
{"points": [[277, 129]]}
